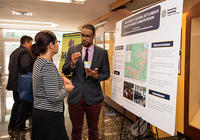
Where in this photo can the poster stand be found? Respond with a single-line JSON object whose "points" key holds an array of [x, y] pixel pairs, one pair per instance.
{"points": [[122, 128], [157, 133], [124, 112], [138, 127], [145, 69]]}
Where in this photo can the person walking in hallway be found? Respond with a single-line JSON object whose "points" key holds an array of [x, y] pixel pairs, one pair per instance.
{"points": [[89, 65], [21, 62], [49, 91]]}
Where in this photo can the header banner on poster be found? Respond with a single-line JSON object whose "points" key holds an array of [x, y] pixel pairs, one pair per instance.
{"points": [[142, 22], [145, 63]]}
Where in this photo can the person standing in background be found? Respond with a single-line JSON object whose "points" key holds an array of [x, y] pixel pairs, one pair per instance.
{"points": [[89, 65], [49, 91], [21, 62]]}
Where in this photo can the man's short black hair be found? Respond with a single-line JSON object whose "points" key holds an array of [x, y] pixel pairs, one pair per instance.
{"points": [[25, 38], [90, 27]]}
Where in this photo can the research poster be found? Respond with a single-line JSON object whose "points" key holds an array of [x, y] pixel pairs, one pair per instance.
{"points": [[145, 63], [68, 41]]}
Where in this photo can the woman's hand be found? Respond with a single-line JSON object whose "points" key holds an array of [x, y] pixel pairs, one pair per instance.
{"points": [[66, 81], [69, 87], [68, 84]]}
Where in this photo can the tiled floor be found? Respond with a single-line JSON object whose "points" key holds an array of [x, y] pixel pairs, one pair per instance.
{"points": [[110, 122]]}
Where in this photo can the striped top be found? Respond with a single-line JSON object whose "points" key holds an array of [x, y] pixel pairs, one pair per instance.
{"points": [[48, 90]]}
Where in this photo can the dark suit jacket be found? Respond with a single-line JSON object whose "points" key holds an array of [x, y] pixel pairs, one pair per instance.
{"points": [[21, 62], [88, 87]]}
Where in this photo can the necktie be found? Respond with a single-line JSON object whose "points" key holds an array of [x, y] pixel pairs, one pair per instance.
{"points": [[85, 59], [86, 55]]}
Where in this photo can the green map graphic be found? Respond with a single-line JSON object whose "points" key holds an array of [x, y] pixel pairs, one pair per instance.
{"points": [[136, 61]]}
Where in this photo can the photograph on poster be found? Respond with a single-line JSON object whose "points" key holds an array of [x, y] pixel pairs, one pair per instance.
{"points": [[64, 53], [128, 90], [135, 93], [136, 61]]}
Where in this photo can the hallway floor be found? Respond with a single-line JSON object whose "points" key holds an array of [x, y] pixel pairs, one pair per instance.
{"points": [[110, 122], [109, 126]]}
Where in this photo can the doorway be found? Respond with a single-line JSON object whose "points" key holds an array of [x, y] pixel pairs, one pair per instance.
{"points": [[192, 74]]}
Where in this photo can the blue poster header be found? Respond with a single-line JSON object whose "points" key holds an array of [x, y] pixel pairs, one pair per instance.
{"points": [[162, 44], [142, 22], [159, 94]]}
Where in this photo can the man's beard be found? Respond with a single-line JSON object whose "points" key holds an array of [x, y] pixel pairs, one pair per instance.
{"points": [[86, 44]]}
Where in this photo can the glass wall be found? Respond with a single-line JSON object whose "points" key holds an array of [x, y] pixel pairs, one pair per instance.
{"points": [[9, 48], [11, 39]]}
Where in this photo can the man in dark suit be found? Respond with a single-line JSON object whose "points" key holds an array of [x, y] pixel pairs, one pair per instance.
{"points": [[89, 65], [21, 62]]}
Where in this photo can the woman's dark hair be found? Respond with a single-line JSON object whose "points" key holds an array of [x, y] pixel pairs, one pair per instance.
{"points": [[35, 51], [42, 40]]}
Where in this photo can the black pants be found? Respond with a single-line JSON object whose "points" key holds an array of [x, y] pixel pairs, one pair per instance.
{"points": [[14, 111], [21, 111]]}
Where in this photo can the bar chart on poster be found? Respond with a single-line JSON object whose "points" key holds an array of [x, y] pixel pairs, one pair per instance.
{"points": [[145, 63]]}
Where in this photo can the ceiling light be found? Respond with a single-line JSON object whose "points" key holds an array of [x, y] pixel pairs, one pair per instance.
{"points": [[19, 13], [101, 23], [22, 23], [6, 136], [16, 13], [28, 14], [67, 1], [64, 1], [80, 0]]}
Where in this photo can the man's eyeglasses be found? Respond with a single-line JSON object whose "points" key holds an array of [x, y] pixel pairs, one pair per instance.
{"points": [[86, 36], [57, 42]]}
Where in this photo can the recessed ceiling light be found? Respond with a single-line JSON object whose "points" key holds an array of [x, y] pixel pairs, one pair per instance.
{"points": [[28, 14], [16, 13], [23, 25], [101, 23], [64, 1], [6, 136], [80, 0], [67, 1], [18, 23], [19, 13]]}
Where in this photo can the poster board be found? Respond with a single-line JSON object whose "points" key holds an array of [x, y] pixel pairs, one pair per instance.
{"points": [[145, 63], [68, 41]]}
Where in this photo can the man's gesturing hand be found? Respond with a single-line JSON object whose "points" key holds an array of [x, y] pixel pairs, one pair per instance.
{"points": [[74, 58], [92, 73]]}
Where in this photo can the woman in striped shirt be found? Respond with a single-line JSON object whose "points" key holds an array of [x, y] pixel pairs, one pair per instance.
{"points": [[49, 91]]}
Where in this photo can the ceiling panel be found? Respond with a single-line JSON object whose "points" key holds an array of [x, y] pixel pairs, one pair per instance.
{"points": [[68, 16]]}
